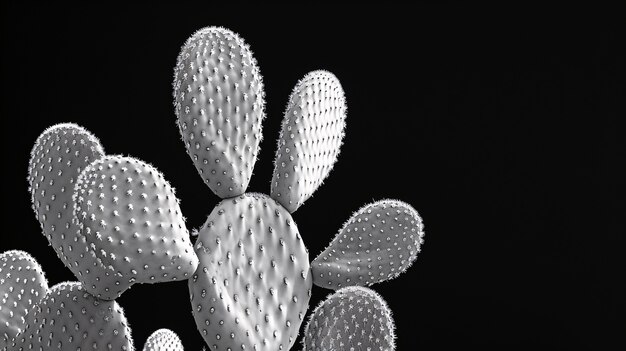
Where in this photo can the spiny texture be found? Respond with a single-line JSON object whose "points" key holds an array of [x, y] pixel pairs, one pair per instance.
{"points": [[379, 242], [60, 153], [163, 340], [253, 284], [353, 318], [131, 220], [22, 285], [310, 138], [69, 318], [219, 103]]}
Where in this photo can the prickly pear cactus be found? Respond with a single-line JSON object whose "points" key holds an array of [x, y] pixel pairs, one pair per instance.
{"points": [[69, 318], [22, 285], [253, 285], [310, 138], [219, 102], [378, 242], [115, 221], [353, 318], [131, 220], [163, 340]]}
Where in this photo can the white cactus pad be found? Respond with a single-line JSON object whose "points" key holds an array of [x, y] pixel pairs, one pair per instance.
{"points": [[253, 284], [22, 285], [378, 243], [69, 318], [131, 220], [60, 153], [310, 138], [163, 340], [353, 318], [219, 103]]}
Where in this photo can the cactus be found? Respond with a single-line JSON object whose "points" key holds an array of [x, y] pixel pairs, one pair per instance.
{"points": [[219, 103], [106, 268], [377, 243], [115, 221], [69, 318], [253, 284], [22, 285], [310, 138], [163, 340], [60, 153], [131, 221], [352, 318]]}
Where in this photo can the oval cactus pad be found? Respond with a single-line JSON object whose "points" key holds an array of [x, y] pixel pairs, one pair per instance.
{"points": [[69, 318], [163, 340], [310, 138], [57, 158], [219, 103], [353, 318], [378, 243], [253, 284], [60, 153], [131, 221], [22, 285]]}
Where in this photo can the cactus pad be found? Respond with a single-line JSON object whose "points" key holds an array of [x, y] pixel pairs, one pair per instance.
{"points": [[253, 284], [310, 138], [353, 318], [219, 103], [22, 285], [163, 340], [69, 318], [377, 243], [131, 220]]}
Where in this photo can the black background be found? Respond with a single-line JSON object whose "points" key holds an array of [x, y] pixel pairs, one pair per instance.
{"points": [[503, 134]]}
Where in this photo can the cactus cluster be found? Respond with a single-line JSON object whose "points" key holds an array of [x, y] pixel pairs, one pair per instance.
{"points": [[115, 221], [106, 216]]}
